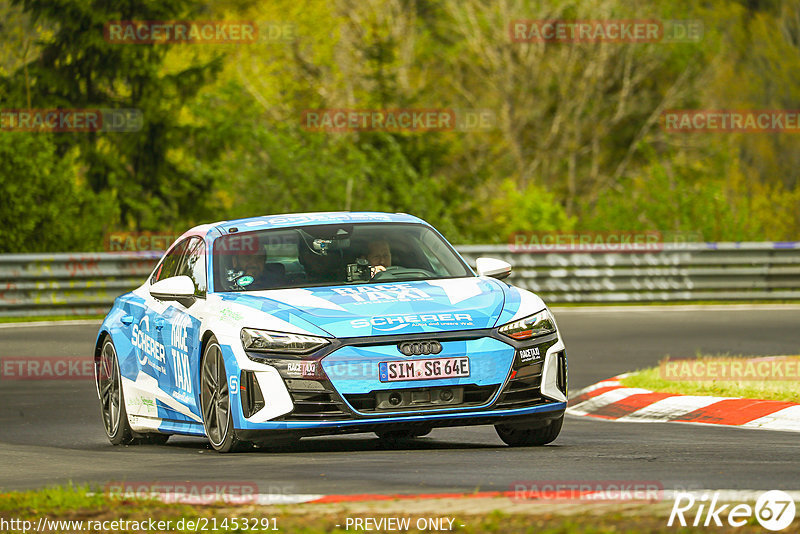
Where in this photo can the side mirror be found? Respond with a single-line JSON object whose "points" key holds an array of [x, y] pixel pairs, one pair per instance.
{"points": [[180, 288], [493, 267]]}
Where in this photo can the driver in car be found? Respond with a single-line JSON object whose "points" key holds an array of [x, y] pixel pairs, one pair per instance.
{"points": [[379, 256]]}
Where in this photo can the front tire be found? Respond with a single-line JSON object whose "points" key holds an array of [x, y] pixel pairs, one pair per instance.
{"points": [[215, 401], [520, 436]]}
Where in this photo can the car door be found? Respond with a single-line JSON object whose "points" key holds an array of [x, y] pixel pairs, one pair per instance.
{"points": [[145, 395], [182, 336]]}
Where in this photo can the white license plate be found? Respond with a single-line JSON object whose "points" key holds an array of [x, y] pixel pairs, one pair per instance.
{"points": [[423, 369]]}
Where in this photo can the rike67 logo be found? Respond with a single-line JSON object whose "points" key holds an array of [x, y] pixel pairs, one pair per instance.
{"points": [[774, 510]]}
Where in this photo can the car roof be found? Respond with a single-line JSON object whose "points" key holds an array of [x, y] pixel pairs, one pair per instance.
{"points": [[289, 220]]}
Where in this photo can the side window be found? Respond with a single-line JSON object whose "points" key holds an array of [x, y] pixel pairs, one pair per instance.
{"points": [[169, 265], [194, 266]]}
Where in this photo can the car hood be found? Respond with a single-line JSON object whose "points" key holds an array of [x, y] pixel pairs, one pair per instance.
{"points": [[391, 309]]}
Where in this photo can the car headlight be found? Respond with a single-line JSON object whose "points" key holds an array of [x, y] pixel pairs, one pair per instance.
{"points": [[538, 324], [280, 342]]}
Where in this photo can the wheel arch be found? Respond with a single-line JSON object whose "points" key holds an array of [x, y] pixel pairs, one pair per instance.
{"points": [[204, 339], [98, 350], [98, 346]]}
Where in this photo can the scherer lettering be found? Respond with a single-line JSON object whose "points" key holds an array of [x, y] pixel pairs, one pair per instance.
{"points": [[390, 320]]}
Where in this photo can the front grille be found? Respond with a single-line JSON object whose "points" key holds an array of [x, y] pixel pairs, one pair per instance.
{"points": [[314, 401], [523, 390], [428, 398]]}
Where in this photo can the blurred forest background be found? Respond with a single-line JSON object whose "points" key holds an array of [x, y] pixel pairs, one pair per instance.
{"points": [[577, 144]]}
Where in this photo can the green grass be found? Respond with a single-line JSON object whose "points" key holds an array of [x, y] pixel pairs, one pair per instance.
{"points": [[52, 500], [655, 379], [51, 318], [81, 504]]}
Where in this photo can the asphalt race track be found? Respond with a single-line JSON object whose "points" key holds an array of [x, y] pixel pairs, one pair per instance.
{"points": [[50, 431]]}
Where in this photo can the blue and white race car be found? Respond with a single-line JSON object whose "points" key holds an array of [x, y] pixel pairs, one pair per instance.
{"points": [[264, 330]]}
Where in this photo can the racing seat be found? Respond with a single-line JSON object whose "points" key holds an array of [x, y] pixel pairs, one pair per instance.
{"points": [[274, 275]]}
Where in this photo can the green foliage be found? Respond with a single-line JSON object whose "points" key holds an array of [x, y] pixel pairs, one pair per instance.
{"points": [[510, 210], [576, 142], [42, 206], [78, 68]]}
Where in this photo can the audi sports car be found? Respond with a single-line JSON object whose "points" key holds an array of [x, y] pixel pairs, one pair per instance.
{"points": [[260, 331]]}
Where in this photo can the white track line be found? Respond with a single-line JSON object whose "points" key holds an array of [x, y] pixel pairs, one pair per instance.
{"points": [[670, 408], [604, 399], [723, 495], [603, 384], [786, 419]]}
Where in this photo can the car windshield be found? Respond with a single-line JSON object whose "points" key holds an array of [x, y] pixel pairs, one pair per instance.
{"points": [[336, 254]]}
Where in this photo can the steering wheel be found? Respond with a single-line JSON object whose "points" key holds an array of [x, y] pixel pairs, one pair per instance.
{"points": [[391, 271]]}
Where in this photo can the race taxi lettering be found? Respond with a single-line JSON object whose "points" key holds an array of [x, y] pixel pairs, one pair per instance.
{"points": [[526, 355], [301, 368], [383, 293], [179, 334], [180, 353]]}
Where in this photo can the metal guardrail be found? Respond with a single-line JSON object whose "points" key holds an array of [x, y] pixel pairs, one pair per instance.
{"points": [[69, 284], [676, 272], [72, 284]]}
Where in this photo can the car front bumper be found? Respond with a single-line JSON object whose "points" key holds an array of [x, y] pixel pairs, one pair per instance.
{"points": [[509, 389], [533, 417]]}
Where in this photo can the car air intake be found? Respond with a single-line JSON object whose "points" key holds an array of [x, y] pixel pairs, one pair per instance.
{"points": [[252, 398]]}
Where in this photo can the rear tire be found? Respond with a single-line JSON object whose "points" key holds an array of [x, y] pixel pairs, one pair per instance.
{"points": [[520, 436], [112, 401], [215, 402]]}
